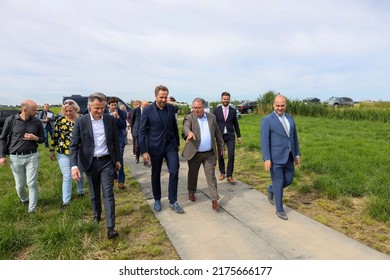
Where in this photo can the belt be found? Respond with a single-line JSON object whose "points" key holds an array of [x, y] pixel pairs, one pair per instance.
{"points": [[101, 157], [24, 153], [205, 152]]}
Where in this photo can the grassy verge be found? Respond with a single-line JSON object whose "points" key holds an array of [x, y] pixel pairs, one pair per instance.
{"points": [[52, 234], [343, 180]]}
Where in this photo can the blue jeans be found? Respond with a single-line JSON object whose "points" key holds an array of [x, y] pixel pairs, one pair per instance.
{"points": [[25, 170], [48, 129], [64, 163]]}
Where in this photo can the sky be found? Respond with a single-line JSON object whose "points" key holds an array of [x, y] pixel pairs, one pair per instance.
{"points": [[125, 48]]}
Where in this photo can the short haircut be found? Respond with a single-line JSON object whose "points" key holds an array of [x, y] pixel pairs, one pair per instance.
{"points": [[225, 94], [198, 99], [160, 87], [97, 95], [112, 100]]}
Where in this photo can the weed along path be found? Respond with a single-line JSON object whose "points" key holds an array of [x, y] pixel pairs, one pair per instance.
{"points": [[245, 227]]}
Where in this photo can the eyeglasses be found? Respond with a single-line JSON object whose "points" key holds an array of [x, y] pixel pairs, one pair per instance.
{"points": [[68, 102]]}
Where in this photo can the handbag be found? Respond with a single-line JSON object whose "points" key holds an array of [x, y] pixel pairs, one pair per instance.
{"points": [[10, 129]]}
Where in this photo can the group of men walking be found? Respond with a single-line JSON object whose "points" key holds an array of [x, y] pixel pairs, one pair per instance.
{"points": [[97, 147]]}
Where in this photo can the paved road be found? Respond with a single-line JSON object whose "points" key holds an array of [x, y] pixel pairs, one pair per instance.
{"points": [[245, 228]]}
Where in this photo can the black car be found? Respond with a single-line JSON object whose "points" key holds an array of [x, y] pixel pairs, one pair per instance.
{"points": [[247, 107], [311, 100]]}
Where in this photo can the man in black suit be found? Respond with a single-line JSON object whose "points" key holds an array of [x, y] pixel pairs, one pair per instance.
{"points": [[228, 125], [134, 123], [120, 119], [158, 137], [94, 149]]}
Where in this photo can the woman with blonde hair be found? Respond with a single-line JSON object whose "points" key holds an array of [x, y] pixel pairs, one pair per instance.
{"points": [[60, 142]]}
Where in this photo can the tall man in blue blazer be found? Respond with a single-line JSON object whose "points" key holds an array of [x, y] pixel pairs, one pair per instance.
{"points": [[158, 138], [228, 125], [94, 149], [280, 149]]}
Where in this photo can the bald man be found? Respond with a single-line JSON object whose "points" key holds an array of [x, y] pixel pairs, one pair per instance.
{"points": [[26, 132], [280, 149]]}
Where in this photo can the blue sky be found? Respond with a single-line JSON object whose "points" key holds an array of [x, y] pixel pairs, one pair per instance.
{"points": [[197, 48]]}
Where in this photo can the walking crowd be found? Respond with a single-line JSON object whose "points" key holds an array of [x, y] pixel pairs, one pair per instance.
{"points": [[92, 146]]}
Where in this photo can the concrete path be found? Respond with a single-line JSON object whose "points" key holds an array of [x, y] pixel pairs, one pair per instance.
{"points": [[245, 228]]}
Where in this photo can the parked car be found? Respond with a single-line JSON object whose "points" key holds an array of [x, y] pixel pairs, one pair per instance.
{"points": [[238, 114], [340, 101], [247, 107], [311, 100]]}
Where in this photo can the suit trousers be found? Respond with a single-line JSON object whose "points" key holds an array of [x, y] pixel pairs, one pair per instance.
{"points": [[101, 180], [209, 162], [121, 171], [282, 176], [172, 159], [231, 145]]}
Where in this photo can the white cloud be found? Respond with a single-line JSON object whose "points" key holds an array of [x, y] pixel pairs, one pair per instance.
{"points": [[301, 48]]}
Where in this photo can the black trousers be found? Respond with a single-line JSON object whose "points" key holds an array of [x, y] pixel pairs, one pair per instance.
{"points": [[101, 181]]}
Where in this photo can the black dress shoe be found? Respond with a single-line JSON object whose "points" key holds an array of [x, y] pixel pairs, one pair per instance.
{"points": [[64, 206], [97, 219], [112, 233], [270, 196]]}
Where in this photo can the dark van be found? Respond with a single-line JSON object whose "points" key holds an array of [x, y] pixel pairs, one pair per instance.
{"points": [[82, 101], [4, 113]]}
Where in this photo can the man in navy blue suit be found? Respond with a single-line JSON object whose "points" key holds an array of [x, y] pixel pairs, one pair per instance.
{"points": [[158, 138], [120, 120], [228, 125], [280, 149]]}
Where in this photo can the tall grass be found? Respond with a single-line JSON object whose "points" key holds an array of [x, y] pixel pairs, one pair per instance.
{"points": [[342, 158]]}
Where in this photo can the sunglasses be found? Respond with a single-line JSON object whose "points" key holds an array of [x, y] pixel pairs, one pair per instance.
{"points": [[68, 102]]}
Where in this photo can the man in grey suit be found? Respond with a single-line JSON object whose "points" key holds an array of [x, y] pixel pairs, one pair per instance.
{"points": [[202, 135], [280, 149], [94, 149]]}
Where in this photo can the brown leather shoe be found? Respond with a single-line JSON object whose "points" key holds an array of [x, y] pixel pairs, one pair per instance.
{"points": [[191, 196], [231, 180], [215, 204], [221, 177], [121, 186]]}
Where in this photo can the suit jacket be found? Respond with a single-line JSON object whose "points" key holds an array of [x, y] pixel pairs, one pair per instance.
{"points": [[154, 133], [42, 115], [275, 143], [82, 145], [190, 123], [121, 125], [135, 121], [231, 122]]}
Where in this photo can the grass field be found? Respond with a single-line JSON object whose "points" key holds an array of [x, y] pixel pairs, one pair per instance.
{"points": [[342, 183]]}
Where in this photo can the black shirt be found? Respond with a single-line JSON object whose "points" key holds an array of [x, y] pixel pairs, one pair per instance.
{"points": [[18, 145]]}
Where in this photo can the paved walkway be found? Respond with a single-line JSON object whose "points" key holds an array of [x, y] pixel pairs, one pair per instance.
{"points": [[245, 228]]}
